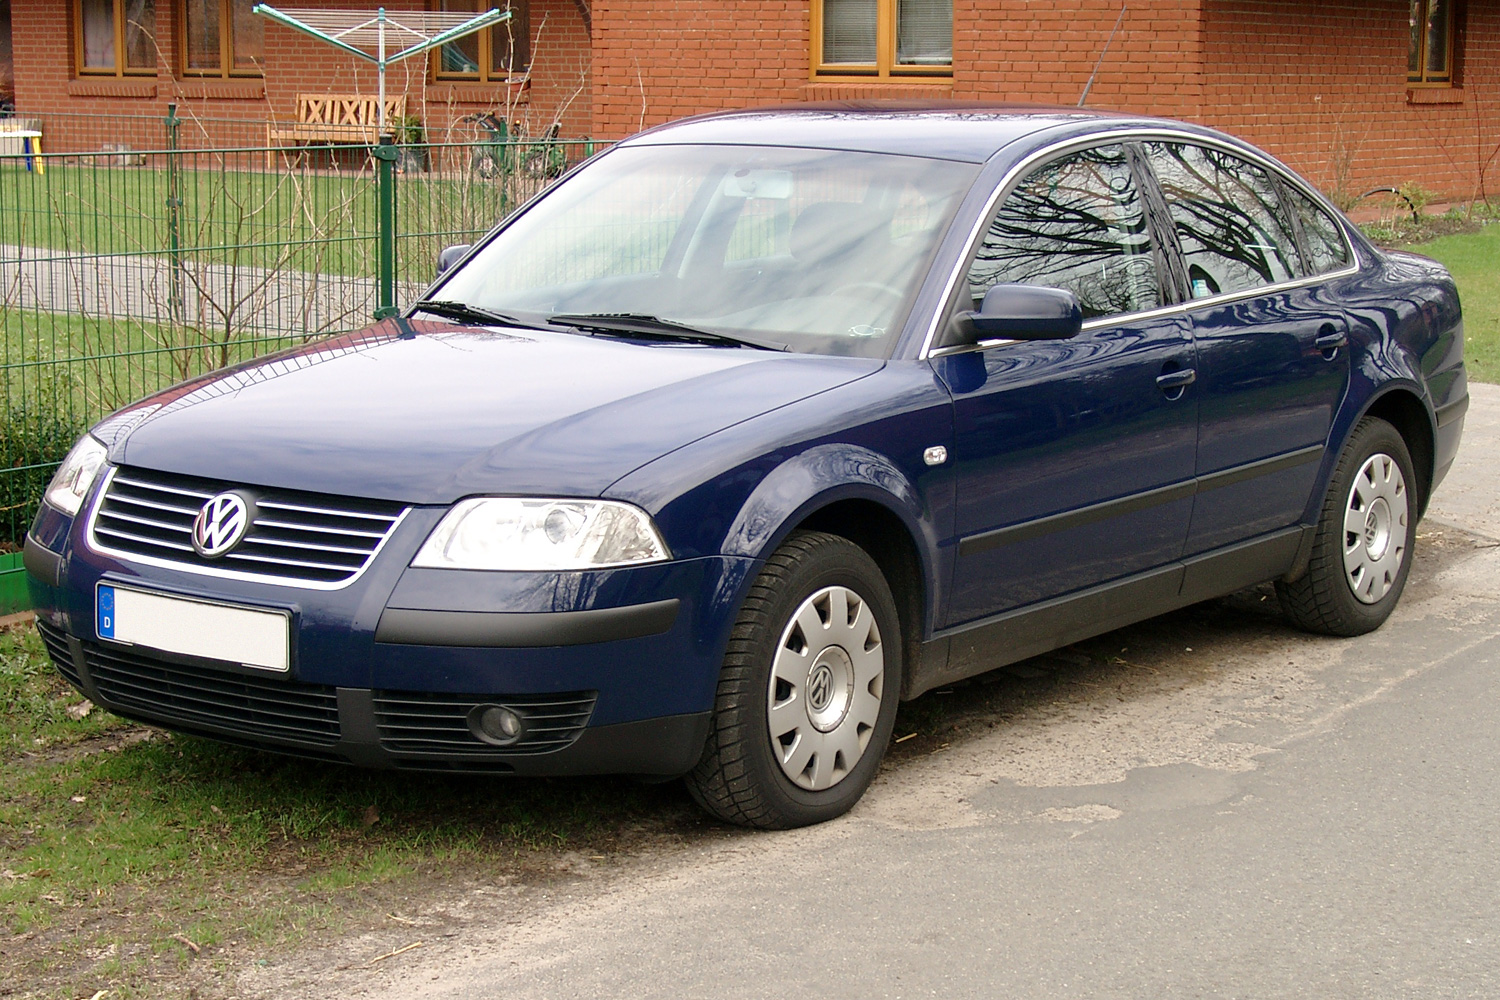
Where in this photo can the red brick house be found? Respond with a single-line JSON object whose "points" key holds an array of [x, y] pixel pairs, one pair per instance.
{"points": [[1354, 93], [77, 60]]}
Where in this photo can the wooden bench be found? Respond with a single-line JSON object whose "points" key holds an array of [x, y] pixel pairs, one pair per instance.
{"points": [[350, 119]]}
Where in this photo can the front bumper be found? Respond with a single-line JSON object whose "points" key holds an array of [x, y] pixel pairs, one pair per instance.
{"points": [[614, 670], [369, 728]]}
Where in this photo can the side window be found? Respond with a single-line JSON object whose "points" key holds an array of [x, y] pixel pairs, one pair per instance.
{"points": [[1077, 223], [1228, 218], [1326, 249]]}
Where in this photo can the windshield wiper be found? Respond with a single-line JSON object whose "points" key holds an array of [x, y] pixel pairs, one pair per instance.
{"points": [[653, 326], [450, 309]]}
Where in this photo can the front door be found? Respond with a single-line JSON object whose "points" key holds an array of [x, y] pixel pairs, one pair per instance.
{"points": [[1074, 459]]}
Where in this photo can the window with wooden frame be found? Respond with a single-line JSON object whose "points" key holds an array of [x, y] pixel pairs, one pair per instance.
{"points": [[493, 55], [884, 39], [1433, 35], [221, 38], [114, 37]]}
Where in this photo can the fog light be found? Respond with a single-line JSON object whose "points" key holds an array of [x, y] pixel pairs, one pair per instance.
{"points": [[496, 724]]}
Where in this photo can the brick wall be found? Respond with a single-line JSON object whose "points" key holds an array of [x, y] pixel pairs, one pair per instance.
{"points": [[1324, 87], [79, 111], [1320, 84], [1018, 50], [655, 60]]}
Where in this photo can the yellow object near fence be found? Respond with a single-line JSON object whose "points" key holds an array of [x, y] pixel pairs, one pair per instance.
{"points": [[26, 133]]}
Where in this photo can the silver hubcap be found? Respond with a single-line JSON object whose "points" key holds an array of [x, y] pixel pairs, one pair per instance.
{"points": [[826, 684], [1375, 530]]}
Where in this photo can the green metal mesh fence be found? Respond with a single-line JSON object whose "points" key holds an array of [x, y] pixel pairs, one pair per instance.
{"points": [[124, 272]]}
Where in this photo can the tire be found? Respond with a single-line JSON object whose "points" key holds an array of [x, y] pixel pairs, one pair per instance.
{"points": [[800, 721], [1366, 534]]}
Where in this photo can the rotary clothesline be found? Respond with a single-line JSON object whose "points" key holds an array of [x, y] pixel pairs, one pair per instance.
{"points": [[357, 31]]}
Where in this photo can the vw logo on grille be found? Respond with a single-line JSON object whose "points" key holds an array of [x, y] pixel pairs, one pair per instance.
{"points": [[220, 525]]}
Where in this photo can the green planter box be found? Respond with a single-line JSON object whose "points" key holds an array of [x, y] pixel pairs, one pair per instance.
{"points": [[14, 595]]}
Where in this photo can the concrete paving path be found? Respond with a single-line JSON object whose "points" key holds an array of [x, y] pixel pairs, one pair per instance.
{"points": [[255, 301], [1206, 805]]}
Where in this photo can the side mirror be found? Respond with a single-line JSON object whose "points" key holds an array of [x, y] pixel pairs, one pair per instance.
{"points": [[450, 256], [1022, 312]]}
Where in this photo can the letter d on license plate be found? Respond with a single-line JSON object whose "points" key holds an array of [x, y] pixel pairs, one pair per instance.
{"points": [[248, 636]]}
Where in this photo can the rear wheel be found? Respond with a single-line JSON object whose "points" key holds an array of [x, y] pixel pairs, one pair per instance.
{"points": [[1363, 547], [807, 696]]}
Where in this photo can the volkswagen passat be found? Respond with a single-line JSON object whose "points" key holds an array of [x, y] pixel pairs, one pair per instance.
{"points": [[753, 426]]}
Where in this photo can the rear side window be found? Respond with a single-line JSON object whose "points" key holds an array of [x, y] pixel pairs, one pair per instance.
{"points": [[1326, 249], [1076, 223], [1228, 217]]}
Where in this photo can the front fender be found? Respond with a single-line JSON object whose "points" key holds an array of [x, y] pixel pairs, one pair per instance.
{"points": [[741, 491], [816, 478]]}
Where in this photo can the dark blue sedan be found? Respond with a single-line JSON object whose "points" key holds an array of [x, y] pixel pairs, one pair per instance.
{"points": [[753, 426]]}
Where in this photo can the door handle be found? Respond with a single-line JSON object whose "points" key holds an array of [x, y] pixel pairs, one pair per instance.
{"points": [[1331, 341], [1180, 379]]}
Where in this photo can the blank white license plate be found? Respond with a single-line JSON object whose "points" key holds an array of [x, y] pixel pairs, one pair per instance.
{"points": [[193, 628]]}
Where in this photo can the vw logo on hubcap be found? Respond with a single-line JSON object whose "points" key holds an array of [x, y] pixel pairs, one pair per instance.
{"points": [[220, 525], [820, 688]]}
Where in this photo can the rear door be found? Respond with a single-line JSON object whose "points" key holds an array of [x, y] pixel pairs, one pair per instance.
{"points": [[1074, 459], [1272, 358]]}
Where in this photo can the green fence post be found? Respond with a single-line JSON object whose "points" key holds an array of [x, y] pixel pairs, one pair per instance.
{"points": [[174, 216], [385, 245]]}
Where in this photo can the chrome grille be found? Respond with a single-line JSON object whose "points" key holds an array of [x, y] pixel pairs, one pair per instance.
{"points": [[304, 538], [417, 724]]}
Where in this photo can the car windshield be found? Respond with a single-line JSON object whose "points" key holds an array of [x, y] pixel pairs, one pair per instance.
{"points": [[808, 250]]}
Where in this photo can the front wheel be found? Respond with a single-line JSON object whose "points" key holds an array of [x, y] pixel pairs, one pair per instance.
{"points": [[1363, 548], [807, 695]]}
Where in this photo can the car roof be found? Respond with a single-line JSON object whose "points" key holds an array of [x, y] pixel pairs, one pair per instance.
{"points": [[943, 130]]}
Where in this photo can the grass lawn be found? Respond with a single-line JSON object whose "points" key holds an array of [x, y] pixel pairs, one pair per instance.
{"points": [[1474, 260], [235, 212], [119, 844]]}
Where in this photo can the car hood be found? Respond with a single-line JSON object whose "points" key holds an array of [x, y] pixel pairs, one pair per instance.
{"points": [[430, 412]]}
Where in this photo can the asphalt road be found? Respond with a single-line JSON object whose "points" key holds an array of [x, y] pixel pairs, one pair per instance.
{"points": [[1206, 805]]}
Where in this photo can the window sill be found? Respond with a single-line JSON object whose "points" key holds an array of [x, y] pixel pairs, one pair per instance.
{"points": [[1434, 95], [221, 90], [470, 92], [111, 86], [854, 88]]}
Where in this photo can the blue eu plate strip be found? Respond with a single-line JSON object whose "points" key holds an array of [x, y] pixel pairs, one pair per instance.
{"points": [[106, 615]]}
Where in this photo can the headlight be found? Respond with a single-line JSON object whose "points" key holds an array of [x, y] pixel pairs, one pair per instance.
{"points": [[76, 475], [512, 533]]}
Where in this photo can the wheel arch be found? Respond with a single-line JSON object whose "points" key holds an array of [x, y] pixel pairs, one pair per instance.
{"points": [[1402, 407], [858, 494], [875, 528]]}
